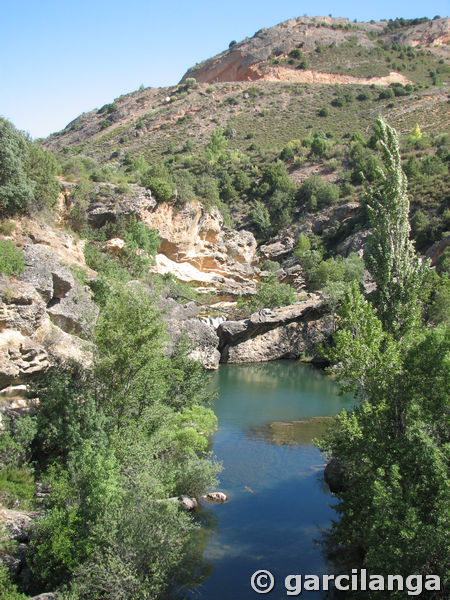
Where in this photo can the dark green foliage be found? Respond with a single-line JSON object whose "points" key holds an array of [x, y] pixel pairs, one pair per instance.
{"points": [[41, 168], [161, 188], [319, 146], [16, 189], [8, 591], [317, 193], [12, 260], [16, 476], [27, 173], [139, 236]]}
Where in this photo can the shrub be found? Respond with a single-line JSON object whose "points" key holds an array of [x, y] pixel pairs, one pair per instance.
{"points": [[269, 294], [161, 188], [7, 227], [315, 188], [319, 147], [139, 236], [27, 173], [296, 53], [12, 260], [323, 112], [271, 266], [386, 94]]}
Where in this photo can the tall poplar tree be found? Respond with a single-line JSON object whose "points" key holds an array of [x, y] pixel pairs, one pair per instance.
{"points": [[390, 256]]}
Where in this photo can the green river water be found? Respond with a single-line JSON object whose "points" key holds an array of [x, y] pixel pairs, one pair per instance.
{"points": [[273, 476]]}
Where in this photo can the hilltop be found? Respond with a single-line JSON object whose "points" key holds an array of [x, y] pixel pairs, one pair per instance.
{"points": [[278, 53]]}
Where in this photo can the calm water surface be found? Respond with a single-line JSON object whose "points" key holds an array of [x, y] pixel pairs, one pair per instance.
{"points": [[273, 476]]}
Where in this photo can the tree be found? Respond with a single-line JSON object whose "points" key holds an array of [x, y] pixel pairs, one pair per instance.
{"points": [[27, 173], [390, 257], [16, 188], [393, 445]]}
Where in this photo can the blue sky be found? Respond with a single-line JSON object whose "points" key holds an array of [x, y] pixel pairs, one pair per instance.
{"points": [[60, 58]]}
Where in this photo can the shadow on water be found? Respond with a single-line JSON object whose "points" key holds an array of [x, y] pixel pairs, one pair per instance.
{"points": [[278, 503]]}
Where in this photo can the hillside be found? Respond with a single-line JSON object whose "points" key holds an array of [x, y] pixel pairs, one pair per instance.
{"points": [[282, 53]]}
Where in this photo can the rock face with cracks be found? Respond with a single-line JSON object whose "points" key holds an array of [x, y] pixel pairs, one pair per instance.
{"points": [[270, 334]]}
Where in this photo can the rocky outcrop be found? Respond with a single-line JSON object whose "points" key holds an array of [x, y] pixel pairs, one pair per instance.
{"points": [[270, 334], [197, 247], [106, 207], [334, 475], [437, 249], [185, 502], [68, 304], [15, 529], [202, 336], [242, 61], [39, 316]]}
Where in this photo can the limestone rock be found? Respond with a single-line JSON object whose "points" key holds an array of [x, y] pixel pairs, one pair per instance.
{"points": [[76, 313], [271, 334], [277, 249], [115, 245], [204, 340], [218, 497], [30, 343], [334, 475], [69, 304], [45, 273], [185, 502], [21, 307], [103, 210]]}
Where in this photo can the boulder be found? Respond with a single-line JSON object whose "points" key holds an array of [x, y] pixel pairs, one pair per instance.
{"points": [[76, 313], [115, 245], [106, 209], [203, 337], [68, 304], [21, 307], [30, 343], [270, 334], [185, 502], [334, 475], [45, 273], [218, 497], [277, 249]]}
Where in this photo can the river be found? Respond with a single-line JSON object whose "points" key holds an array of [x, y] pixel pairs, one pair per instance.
{"points": [[273, 476]]}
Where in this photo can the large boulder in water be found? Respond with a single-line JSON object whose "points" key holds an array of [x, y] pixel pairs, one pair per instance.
{"points": [[334, 476]]}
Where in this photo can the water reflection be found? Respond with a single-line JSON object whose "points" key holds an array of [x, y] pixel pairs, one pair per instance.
{"points": [[268, 414], [292, 433]]}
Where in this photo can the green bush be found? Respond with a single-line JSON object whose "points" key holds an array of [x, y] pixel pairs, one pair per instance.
{"points": [[12, 260], [270, 265], [317, 193], [139, 236], [161, 188], [8, 591], [27, 173], [269, 294], [319, 147], [296, 53]]}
